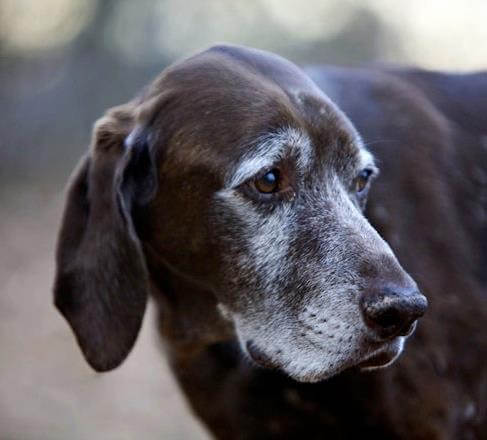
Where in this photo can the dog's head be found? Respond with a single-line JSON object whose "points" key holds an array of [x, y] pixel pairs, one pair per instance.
{"points": [[246, 180]]}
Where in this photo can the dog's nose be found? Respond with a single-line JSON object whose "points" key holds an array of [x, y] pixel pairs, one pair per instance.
{"points": [[392, 311]]}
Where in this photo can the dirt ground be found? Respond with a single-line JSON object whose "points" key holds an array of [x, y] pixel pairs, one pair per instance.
{"points": [[47, 391]]}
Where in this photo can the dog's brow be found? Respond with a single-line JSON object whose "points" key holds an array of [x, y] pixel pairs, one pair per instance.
{"points": [[268, 150]]}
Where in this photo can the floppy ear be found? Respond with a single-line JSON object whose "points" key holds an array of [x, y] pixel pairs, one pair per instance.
{"points": [[101, 283]]}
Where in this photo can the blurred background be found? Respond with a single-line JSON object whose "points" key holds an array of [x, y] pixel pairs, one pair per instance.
{"points": [[62, 63]]}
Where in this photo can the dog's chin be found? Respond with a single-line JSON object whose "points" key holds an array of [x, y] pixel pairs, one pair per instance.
{"points": [[378, 358]]}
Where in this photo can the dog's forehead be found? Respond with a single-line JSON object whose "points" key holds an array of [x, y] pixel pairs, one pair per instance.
{"points": [[227, 103], [281, 71]]}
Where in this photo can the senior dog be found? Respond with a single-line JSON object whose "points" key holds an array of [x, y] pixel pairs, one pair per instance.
{"points": [[233, 190]]}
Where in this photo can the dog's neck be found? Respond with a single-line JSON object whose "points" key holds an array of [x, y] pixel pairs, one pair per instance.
{"points": [[189, 318]]}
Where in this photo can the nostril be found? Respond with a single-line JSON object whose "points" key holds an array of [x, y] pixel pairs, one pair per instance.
{"points": [[387, 318], [392, 313], [381, 316]]}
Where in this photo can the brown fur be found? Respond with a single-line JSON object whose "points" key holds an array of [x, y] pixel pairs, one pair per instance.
{"points": [[142, 217]]}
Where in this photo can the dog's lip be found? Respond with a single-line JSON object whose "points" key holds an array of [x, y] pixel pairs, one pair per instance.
{"points": [[383, 356], [380, 359], [258, 356], [379, 355], [410, 330]]}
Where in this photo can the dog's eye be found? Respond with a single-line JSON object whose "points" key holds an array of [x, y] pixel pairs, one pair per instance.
{"points": [[362, 180], [269, 182]]}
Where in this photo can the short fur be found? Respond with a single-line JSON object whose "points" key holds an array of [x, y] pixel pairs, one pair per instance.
{"points": [[164, 203]]}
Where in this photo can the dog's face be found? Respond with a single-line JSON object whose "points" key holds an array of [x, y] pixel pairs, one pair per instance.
{"points": [[298, 255], [262, 186]]}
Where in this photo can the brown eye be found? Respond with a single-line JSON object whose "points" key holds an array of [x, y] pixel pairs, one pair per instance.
{"points": [[362, 180], [268, 183]]}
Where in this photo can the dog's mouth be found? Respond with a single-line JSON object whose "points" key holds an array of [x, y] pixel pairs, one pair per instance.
{"points": [[383, 357], [316, 364], [259, 357], [388, 353]]}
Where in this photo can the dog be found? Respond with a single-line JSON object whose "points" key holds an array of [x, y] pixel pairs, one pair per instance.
{"points": [[234, 191]]}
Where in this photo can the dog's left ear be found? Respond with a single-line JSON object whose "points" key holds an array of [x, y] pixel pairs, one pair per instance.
{"points": [[101, 283]]}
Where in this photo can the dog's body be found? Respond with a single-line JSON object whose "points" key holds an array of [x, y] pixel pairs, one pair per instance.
{"points": [[233, 189]]}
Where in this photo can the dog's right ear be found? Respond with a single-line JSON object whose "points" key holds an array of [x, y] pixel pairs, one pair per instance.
{"points": [[101, 283]]}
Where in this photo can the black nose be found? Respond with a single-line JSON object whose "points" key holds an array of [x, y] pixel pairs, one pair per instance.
{"points": [[392, 312]]}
